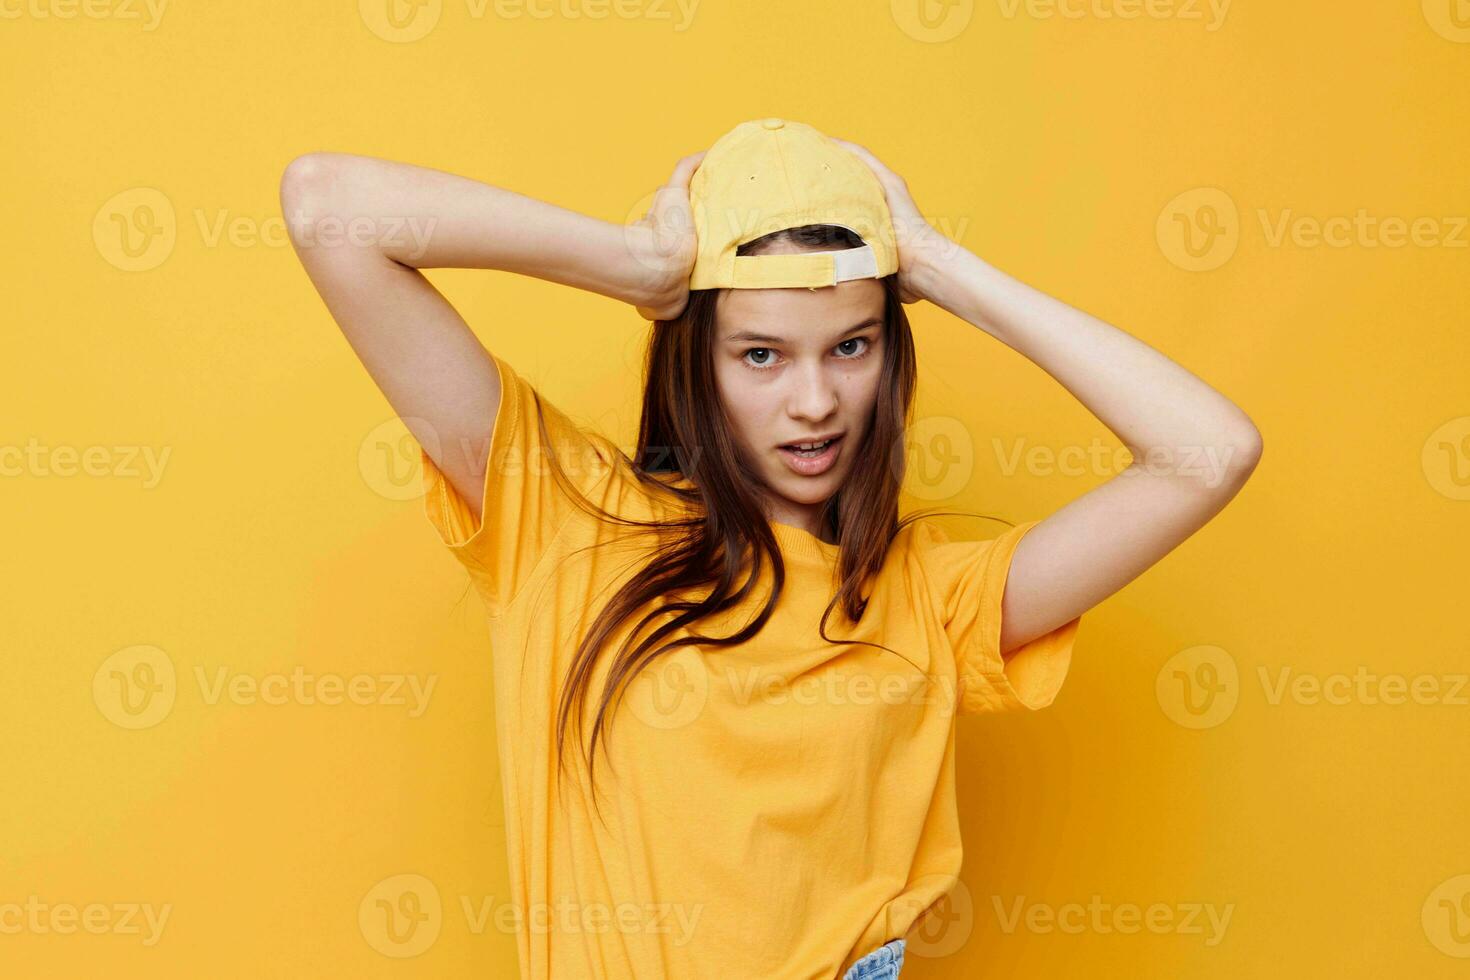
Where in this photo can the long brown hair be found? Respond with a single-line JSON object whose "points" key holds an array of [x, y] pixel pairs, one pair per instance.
{"points": [[685, 433]]}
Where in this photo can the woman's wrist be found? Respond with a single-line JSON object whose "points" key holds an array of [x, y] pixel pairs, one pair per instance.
{"points": [[938, 272], [654, 269]]}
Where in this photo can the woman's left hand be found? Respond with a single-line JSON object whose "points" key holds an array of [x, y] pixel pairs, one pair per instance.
{"points": [[918, 241], [664, 243]]}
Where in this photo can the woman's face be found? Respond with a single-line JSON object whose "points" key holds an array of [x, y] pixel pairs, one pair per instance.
{"points": [[799, 365]]}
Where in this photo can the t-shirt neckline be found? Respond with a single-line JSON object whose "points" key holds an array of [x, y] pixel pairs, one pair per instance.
{"points": [[797, 541]]}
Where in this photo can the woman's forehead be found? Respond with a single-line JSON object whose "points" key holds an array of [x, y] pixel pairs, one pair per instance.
{"points": [[799, 314]]}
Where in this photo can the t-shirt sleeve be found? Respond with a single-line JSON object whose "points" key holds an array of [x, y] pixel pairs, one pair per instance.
{"points": [[974, 576], [523, 506]]}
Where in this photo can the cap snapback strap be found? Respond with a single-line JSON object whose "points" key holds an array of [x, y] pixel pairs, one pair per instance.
{"points": [[804, 268]]}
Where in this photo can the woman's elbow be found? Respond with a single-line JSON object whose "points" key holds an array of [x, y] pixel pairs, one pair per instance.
{"points": [[1243, 452], [307, 187]]}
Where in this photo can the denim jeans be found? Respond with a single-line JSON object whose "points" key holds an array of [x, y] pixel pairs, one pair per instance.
{"points": [[882, 963]]}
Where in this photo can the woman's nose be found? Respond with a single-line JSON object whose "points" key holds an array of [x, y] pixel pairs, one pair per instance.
{"points": [[815, 396]]}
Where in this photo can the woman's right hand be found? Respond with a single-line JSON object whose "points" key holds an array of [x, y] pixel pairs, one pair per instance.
{"points": [[664, 242]]}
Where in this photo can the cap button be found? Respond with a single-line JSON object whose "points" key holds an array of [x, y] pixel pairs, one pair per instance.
{"points": [[773, 123]]}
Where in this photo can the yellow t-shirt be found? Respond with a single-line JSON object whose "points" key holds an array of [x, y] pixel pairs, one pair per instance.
{"points": [[776, 809]]}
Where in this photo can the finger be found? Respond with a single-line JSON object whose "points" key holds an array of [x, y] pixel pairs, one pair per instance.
{"points": [[684, 170], [877, 166], [855, 148], [670, 209], [674, 195]]}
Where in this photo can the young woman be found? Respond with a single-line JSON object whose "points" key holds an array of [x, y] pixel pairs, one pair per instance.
{"points": [[769, 658]]}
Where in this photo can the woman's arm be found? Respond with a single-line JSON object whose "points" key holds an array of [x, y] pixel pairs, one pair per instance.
{"points": [[1193, 449], [364, 226]]}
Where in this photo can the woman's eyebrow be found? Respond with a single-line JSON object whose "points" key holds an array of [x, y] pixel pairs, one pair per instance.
{"points": [[763, 338]]}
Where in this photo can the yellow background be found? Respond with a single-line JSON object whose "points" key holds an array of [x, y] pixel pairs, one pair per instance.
{"points": [[282, 530]]}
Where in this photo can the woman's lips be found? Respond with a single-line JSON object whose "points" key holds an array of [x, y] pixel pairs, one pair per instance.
{"points": [[812, 465]]}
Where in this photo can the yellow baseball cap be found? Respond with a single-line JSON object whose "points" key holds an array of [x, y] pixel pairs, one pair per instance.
{"points": [[766, 175]]}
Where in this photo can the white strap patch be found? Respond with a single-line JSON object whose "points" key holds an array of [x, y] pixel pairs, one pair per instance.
{"points": [[854, 263]]}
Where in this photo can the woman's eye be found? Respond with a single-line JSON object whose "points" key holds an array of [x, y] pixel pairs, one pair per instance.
{"points": [[764, 357]]}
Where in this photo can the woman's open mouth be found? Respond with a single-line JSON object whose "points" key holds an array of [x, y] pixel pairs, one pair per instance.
{"points": [[812, 458]]}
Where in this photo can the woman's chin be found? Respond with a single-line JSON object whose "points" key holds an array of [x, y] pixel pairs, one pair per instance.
{"points": [[810, 491]]}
